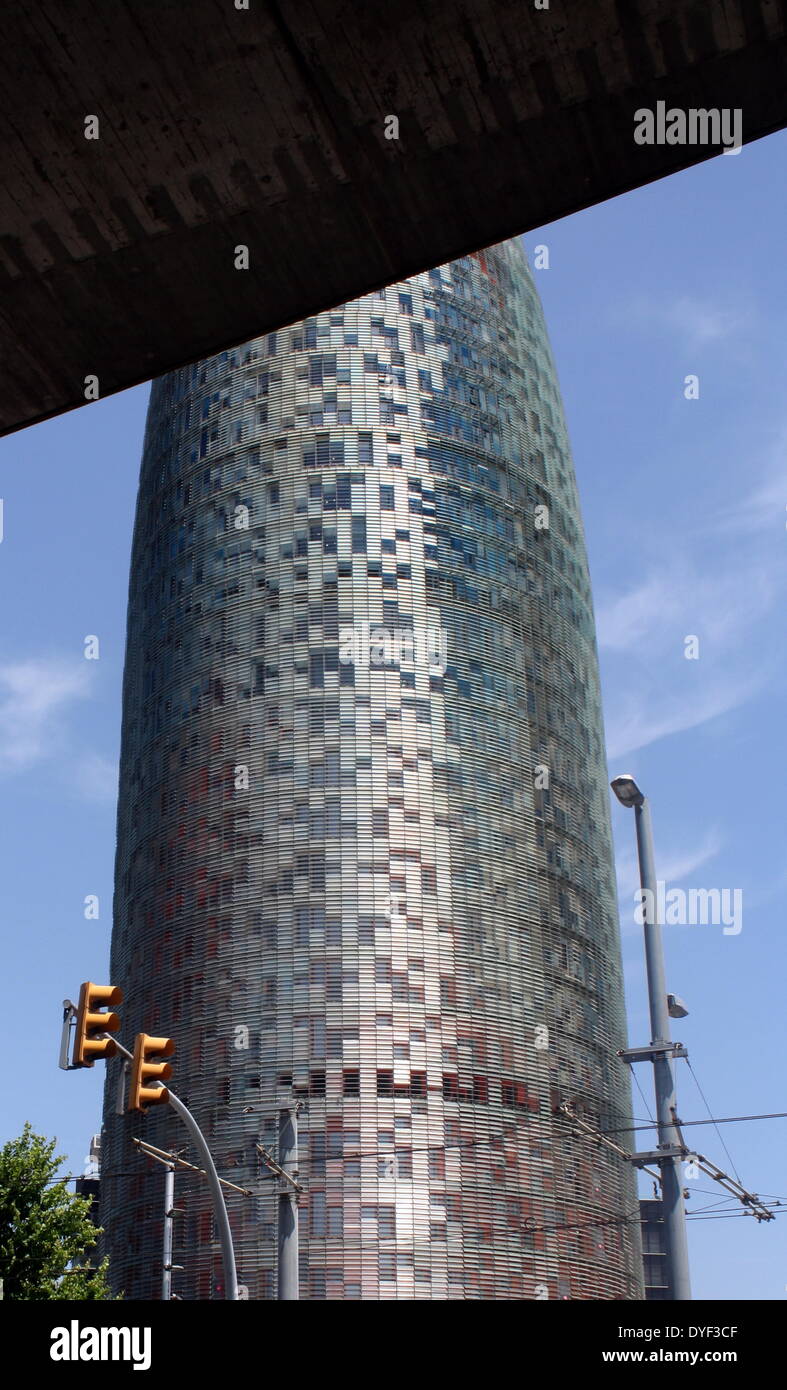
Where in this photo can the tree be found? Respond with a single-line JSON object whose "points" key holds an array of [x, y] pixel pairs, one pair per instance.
{"points": [[44, 1228]]}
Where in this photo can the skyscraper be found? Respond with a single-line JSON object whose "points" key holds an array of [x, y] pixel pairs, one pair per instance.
{"points": [[363, 841]]}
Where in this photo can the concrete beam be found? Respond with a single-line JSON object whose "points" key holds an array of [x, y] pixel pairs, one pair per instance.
{"points": [[265, 127]]}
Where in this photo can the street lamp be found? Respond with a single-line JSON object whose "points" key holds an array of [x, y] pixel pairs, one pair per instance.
{"points": [[627, 791], [661, 1049]]}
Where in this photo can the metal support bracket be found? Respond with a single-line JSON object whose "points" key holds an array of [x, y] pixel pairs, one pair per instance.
{"points": [[653, 1050], [658, 1155], [286, 1182]]}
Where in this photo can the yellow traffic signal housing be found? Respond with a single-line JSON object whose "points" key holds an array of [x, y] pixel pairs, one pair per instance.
{"points": [[88, 1046], [143, 1070]]}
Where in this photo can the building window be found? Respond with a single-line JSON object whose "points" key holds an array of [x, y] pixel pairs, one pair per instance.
{"points": [[365, 454], [480, 1090], [359, 535], [450, 1086], [386, 1223], [514, 1094], [317, 1214]]}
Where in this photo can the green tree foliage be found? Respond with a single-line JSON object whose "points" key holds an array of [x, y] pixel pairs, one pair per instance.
{"points": [[44, 1228]]}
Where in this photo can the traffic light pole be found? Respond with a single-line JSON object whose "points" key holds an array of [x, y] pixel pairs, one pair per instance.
{"points": [[219, 1206], [95, 1023]]}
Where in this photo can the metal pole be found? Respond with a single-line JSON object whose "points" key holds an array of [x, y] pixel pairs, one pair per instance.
{"points": [[288, 1203], [220, 1210], [120, 1098], [663, 1077], [69, 1013], [222, 1220], [169, 1218]]}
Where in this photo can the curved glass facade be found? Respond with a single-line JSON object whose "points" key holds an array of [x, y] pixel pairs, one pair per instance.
{"points": [[363, 841]]}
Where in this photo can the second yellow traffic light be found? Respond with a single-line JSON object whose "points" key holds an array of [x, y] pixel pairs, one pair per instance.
{"points": [[144, 1070]]}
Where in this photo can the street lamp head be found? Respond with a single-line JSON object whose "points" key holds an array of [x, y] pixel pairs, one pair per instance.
{"points": [[627, 791], [676, 1007]]}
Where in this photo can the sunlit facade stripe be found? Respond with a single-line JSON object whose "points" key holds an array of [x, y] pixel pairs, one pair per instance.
{"points": [[363, 842]]}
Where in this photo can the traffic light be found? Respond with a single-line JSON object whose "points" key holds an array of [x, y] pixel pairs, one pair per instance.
{"points": [[88, 1046], [143, 1070]]}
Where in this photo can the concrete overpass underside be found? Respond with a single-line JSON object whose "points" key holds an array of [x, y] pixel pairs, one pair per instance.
{"points": [[268, 127]]}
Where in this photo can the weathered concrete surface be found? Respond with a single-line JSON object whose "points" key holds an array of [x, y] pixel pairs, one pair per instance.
{"points": [[266, 127]]}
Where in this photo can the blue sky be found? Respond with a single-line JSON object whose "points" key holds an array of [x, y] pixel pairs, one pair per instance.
{"points": [[684, 504]]}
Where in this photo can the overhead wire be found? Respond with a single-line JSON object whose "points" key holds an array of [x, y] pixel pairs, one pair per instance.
{"points": [[639, 1088], [498, 1138], [715, 1122]]}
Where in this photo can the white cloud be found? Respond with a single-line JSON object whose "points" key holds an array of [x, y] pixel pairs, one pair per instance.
{"points": [[700, 323], [678, 864], [636, 721], [673, 865], [696, 321], [33, 695], [716, 594], [628, 620], [764, 509], [677, 601]]}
